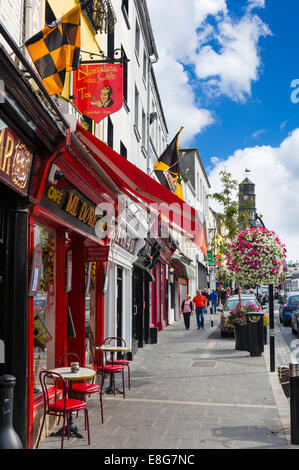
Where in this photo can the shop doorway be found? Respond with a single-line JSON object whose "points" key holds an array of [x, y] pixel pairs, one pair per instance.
{"points": [[119, 302]]}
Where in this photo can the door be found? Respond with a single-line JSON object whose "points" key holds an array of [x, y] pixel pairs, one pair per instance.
{"points": [[119, 301]]}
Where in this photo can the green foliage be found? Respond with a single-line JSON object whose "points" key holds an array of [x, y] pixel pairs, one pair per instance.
{"points": [[230, 207]]}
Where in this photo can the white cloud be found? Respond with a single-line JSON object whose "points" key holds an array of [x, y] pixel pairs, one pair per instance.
{"points": [[204, 8], [183, 34], [257, 134], [232, 70], [255, 4], [275, 173], [179, 97]]}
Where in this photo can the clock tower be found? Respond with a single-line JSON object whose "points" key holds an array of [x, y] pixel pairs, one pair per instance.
{"points": [[247, 208]]}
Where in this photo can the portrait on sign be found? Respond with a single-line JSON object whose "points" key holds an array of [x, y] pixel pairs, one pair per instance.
{"points": [[98, 90]]}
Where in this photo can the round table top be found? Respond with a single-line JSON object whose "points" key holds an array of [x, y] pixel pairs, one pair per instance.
{"points": [[109, 347], [67, 374]]}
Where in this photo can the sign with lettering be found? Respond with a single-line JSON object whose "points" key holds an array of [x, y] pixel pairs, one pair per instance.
{"points": [[98, 90], [211, 259], [71, 205], [124, 240], [15, 162], [97, 253]]}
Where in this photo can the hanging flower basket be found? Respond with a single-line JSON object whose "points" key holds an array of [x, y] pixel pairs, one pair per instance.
{"points": [[257, 257], [223, 275]]}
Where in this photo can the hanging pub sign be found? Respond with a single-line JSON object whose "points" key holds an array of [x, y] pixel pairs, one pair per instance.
{"points": [[98, 90]]}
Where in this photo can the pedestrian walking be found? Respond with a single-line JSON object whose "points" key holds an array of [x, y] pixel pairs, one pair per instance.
{"points": [[214, 299], [200, 302], [187, 309], [207, 296], [223, 296]]}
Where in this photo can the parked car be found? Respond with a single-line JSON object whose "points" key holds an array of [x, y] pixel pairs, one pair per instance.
{"points": [[262, 295], [281, 294], [287, 306], [295, 321], [231, 303]]}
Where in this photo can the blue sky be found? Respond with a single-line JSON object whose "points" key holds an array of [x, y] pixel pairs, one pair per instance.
{"points": [[268, 115], [225, 74]]}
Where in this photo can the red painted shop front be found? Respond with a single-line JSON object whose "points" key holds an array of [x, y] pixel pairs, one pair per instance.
{"points": [[160, 303], [67, 270]]}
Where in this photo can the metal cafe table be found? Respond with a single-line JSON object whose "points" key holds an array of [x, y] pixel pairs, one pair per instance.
{"points": [[113, 349], [82, 374]]}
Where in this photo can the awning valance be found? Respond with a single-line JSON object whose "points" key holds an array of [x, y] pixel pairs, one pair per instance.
{"points": [[139, 186], [179, 268]]}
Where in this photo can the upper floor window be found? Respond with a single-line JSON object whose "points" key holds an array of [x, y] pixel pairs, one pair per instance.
{"points": [[110, 133], [125, 6], [125, 10], [123, 150], [144, 74], [136, 108], [125, 75], [143, 129], [137, 38]]}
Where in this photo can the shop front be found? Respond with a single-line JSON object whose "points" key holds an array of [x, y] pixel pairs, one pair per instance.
{"points": [[118, 298], [160, 288], [179, 286], [68, 262], [29, 138], [143, 280]]}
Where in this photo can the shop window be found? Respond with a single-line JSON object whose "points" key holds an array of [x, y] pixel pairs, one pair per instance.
{"points": [[43, 290], [172, 296], [90, 308]]}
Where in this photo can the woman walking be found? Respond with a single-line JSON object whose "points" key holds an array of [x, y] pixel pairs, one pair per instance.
{"points": [[187, 308]]}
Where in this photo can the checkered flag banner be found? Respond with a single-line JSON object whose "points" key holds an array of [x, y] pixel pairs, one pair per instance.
{"points": [[55, 50]]}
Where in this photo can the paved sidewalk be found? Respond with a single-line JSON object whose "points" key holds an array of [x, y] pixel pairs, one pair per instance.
{"points": [[192, 390]]}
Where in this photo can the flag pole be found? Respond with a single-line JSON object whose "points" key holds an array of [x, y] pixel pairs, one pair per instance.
{"points": [[86, 4], [182, 127]]}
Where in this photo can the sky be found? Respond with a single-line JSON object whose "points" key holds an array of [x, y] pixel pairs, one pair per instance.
{"points": [[228, 71]]}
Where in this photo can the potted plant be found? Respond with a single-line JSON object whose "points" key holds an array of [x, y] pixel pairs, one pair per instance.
{"points": [[238, 319]]}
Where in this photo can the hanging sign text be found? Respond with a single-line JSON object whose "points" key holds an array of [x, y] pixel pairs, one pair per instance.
{"points": [[98, 90]]}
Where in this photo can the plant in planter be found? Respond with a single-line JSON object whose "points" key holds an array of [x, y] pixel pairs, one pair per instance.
{"points": [[238, 319]]}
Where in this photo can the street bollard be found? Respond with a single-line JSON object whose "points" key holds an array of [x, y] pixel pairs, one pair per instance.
{"points": [[255, 322], [294, 402], [8, 436]]}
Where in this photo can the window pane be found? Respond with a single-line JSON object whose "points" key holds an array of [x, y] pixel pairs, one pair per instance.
{"points": [[44, 301]]}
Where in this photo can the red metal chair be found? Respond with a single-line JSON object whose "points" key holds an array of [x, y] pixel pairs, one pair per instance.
{"points": [[60, 406], [105, 369], [81, 388], [119, 362]]}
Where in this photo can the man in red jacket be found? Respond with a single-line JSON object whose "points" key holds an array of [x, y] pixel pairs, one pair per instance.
{"points": [[200, 302]]}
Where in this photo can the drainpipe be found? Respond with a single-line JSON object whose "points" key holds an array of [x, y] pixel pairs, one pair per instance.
{"points": [[28, 24]]}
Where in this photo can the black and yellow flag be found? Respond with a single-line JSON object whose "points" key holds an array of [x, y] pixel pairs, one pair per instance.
{"points": [[167, 168], [55, 50]]}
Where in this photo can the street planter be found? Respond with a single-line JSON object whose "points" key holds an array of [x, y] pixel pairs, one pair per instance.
{"points": [[241, 338], [284, 379], [256, 336]]}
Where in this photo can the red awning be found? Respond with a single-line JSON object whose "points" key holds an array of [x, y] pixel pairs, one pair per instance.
{"points": [[141, 187]]}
